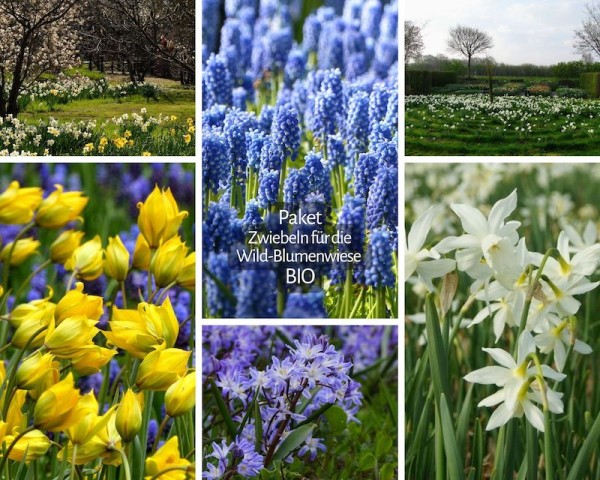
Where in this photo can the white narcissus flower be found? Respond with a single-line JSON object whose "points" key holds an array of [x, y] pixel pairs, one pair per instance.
{"points": [[426, 262], [580, 242], [517, 391]]}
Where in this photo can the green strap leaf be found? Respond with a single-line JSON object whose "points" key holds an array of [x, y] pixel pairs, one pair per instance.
{"points": [[223, 408], [453, 459], [582, 462], [293, 441], [438, 360]]}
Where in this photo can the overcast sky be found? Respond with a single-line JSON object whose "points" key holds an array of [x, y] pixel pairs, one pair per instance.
{"points": [[524, 31]]}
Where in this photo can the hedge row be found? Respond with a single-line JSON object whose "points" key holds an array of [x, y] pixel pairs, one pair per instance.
{"points": [[420, 82], [590, 82]]}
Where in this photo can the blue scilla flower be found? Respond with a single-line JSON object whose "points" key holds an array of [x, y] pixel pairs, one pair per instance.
{"points": [[285, 131], [311, 30], [219, 283], [382, 204], [336, 152], [370, 18], [305, 305], [211, 19], [215, 161], [331, 45], [357, 126], [214, 116], [391, 114], [237, 124], [351, 221], [252, 219], [318, 176], [256, 294], [265, 118], [254, 144], [381, 132], [268, 188], [379, 271], [295, 188], [295, 67], [219, 222], [378, 103], [217, 81], [279, 45], [364, 173], [239, 98]]}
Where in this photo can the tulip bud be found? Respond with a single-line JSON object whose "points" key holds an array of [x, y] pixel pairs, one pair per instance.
{"points": [[55, 408], [159, 217], [86, 260], [23, 249], [116, 264], [29, 318], [68, 338], [129, 415], [187, 275], [167, 458], [63, 247], [167, 261], [141, 253], [91, 358], [17, 205], [60, 208], [31, 446], [162, 368], [75, 302], [38, 371], [181, 396]]}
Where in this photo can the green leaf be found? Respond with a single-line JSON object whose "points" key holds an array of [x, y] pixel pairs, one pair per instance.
{"points": [[478, 450], [582, 462], [387, 472], [382, 445], [453, 458], [316, 414], [462, 425], [367, 462], [223, 408], [258, 430], [293, 441], [438, 360], [337, 419]]}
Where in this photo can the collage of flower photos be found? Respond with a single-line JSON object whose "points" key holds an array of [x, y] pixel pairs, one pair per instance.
{"points": [[286, 157]]}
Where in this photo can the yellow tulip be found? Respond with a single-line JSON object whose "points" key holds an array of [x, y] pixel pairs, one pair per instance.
{"points": [[168, 457], [60, 208], [29, 318], [167, 261], [187, 275], [2, 372], [86, 260], [55, 409], [67, 339], [2, 431], [17, 205], [128, 420], [76, 303], [38, 371], [181, 396], [162, 368], [30, 446], [90, 423], [63, 247], [116, 264], [159, 217], [90, 359], [23, 249], [141, 253], [15, 418]]}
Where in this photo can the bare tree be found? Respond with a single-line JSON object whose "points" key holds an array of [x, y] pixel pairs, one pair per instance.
{"points": [[587, 39], [469, 42], [413, 41]]}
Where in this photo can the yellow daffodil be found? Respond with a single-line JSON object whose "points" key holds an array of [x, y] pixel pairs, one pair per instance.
{"points": [[38, 371], [159, 218], [187, 138], [90, 359], [181, 396], [23, 249], [120, 142], [30, 446], [140, 331], [88, 148], [60, 208], [169, 458], [167, 261], [187, 275], [68, 338], [127, 134], [116, 264], [128, 420], [29, 318], [87, 260], [141, 253], [55, 409], [103, 142], [17, 205], [162, 368], [77, 303], [146, 154], [63, 247]]}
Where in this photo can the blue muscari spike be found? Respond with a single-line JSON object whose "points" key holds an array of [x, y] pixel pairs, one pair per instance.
{"points": [[268, 188], [250, 304], [370, 19], [252, 219], [285, 131], [215, 161], [379, 271], [357, 127], [295, 188], [305, 305], [364, 173], [217, 81], [219, 303], [220, 226], [254, 144], [318, 176], [382, 203]]}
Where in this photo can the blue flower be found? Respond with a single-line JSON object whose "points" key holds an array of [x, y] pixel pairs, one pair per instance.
{"points": [[252, 219], [220, 226], [379, 271], [371, 18], [364, 174], [295, 188], [311, 30], [265, 119], [236, 124], [279, 44], [357, 127], [336, 153], [256, 294], [255, 141], [378, 103], [295, 67], [268, 188], [217, 81], [215, 163], [219, 286], [305, 305], [286, 131], [331, 45], [382, 204], [351, 221], [318, 176]]}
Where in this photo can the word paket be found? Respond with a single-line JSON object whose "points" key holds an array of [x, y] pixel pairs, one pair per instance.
{"points": [[301, 218]]}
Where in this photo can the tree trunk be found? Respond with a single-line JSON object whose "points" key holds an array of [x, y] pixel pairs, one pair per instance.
{"points": [[469, 67], [12, 107]]}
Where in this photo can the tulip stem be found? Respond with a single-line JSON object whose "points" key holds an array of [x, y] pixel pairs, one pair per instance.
{"points": [[12, 445], [125, 463], [162, 426], [71, 279], [124, 295], [73, 459]]}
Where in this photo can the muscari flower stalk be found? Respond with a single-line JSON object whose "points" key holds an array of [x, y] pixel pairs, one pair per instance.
{"points": [[240, 98], [357, 127], [285, 131], [378, 103], [331, 45], [213, 117], [217, 81], [371, 18], [252, 219], [219, 226], [236, 124], [379, 271], [268, 188], [295, 188], [364, 173], [318, 176], [254, 144], [382, 202], [251, 305], [215, 163], [265, 118], [219, 304], [305, 305], [211, 9], [311, 30]]}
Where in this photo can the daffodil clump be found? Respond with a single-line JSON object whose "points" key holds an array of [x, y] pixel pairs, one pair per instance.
{"points": [[95, 384], [502, 269]]}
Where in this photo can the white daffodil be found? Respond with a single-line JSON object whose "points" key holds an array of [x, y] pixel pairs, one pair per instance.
{"points": [[555, 336], [426, 262], [515, 379], [581, 242], [489, 238], [560, 295]]}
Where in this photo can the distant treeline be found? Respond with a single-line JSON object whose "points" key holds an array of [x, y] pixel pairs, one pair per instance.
{"points": [[442, 63]]}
